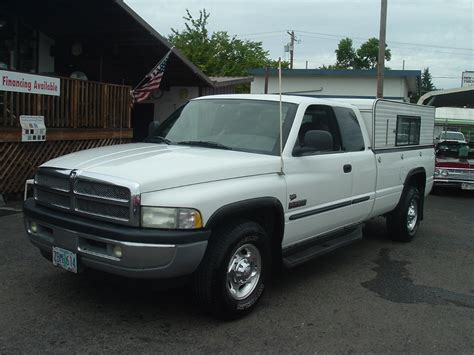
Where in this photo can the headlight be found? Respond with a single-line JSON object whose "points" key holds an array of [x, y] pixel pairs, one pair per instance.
{"points": [[441, 172], [171, 218]]}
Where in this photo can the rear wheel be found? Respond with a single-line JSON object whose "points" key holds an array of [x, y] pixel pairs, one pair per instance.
{"points": [[231, 278], [403, 222]]}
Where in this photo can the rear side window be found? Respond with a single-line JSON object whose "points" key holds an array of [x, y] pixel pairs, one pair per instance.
{"points": [[352, 140], [408, 130]]}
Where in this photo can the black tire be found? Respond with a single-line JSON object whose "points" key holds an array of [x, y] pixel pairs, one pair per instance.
{"points": [[397, 220], [210, 282]]}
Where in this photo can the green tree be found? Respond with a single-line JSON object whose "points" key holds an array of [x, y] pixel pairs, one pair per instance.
{"points": [[219, 54], [368, 53], [426, 83], [347, 57], [345, 54]]}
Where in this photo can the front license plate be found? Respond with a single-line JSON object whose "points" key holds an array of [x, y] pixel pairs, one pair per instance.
{"points": [[467, 186], [65, 259]]}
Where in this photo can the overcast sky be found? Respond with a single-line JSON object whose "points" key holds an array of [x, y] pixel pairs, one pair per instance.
{"points": [[438, 34]]}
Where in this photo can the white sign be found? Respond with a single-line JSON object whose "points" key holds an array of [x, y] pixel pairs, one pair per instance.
{"points": [[29, 83], [467, 78], [33, 128]]}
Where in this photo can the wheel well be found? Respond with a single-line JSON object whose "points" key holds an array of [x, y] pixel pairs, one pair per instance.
{"points": [[268, 213]]}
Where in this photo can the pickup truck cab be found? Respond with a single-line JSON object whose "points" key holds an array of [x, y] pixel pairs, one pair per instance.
{"points": [[218, 194]]}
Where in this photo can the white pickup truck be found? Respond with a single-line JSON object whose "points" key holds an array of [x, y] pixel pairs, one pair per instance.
{"points": [[209, 195]]}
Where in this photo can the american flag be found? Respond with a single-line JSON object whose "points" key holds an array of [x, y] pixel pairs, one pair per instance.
{"points": [[151, 82]]}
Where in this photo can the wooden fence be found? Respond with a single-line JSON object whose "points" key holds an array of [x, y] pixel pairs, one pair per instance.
{"points": [[86, 115], [82, 104]]}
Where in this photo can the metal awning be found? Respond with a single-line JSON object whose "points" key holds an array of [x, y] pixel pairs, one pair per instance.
{"points": [[458, 97]]}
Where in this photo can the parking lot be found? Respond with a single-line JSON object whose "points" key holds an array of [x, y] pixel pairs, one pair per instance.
{"points": [[373, 296]]}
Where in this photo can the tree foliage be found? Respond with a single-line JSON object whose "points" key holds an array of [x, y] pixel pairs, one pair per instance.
{"points": [[426, 83], [218, 53], [345, 54], [365, 57]]}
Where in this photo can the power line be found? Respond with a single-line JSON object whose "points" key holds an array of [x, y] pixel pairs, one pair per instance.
{"points": [[259, 33], [401, 48], [332, 35], [397, 42]]}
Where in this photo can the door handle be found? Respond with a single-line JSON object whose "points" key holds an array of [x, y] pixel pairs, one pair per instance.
{"points": [[347, 168]]}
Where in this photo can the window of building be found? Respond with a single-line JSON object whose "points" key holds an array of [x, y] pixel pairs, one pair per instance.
{"points": [[408, 130], [352, 139], [18, 45]]}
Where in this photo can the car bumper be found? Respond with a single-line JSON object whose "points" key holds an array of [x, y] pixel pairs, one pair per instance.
{"points": [[145, 253], [454, 183]]}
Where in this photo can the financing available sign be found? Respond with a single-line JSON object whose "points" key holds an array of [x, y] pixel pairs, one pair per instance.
{"points": [[29, 83], [467, 78]]}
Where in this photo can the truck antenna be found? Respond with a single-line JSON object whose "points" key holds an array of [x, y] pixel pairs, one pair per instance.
{"points": [[281, 119]]}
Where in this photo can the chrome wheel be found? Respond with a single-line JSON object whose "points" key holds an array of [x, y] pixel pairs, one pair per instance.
{"points": [[412, 215], [243, 271]]}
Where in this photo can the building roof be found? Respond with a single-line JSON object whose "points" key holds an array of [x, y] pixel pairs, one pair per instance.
{"points": [[164, 41], [337, 72], [220, 81], [458, 97]]}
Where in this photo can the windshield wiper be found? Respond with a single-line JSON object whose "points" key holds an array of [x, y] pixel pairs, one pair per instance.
{"points": [[157, 139], [206, 144]]}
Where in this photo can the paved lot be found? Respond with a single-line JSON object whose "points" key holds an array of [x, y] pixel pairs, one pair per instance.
{"points": [[374, 296]]}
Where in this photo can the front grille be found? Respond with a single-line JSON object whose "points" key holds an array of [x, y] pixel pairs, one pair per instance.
{"points": [[103, 209], [461, 174], [55, 182], [89, 196], [102, 190], [53, 198]]}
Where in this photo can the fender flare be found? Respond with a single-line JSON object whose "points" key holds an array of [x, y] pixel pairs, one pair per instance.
{"points": [[245, 205]]}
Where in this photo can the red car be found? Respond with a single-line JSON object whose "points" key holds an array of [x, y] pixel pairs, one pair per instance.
{"points": [[454, 165]]}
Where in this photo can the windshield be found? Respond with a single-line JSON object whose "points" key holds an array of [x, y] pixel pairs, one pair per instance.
{"points": [[454, 150], [237, 124], [452, 136]]}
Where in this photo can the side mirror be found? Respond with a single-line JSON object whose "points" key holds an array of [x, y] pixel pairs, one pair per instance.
{"points": [[152, 127], [315, 141]]}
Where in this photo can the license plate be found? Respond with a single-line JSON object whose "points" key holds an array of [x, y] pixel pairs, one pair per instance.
{"points": [[65, 259], [467, 186]]}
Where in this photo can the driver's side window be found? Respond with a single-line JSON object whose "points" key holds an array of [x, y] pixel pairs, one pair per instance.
{"points": [[319, 124]]}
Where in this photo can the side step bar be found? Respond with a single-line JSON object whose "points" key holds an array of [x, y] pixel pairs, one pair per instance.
{"points": [[299, 254]]}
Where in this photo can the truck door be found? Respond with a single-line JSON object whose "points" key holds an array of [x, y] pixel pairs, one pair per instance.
{"points": [[319, 183], [363, 163]]}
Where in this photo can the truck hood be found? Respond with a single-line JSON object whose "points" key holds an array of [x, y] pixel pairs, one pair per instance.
{"points": [[160, 166]]}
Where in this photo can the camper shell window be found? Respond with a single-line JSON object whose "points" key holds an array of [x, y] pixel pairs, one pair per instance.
{"points": [[408, 130]]}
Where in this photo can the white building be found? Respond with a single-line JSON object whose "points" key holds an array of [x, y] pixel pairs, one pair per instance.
{"points": [[399, 85]]}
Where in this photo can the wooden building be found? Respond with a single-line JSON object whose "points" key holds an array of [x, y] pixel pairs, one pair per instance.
{"points": [[97, 50]]}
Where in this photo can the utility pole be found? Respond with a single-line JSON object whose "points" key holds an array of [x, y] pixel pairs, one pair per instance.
{"points": [[292, 46], [381, 59]]}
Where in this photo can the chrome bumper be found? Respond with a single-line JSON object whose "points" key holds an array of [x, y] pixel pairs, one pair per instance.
{"points": [[138, 259]]}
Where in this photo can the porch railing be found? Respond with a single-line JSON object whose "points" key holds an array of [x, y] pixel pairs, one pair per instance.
{"points": [[82, 104]]}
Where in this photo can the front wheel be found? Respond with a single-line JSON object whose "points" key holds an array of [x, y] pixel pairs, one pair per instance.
{"points": [[231, 278], [403, 222]]}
